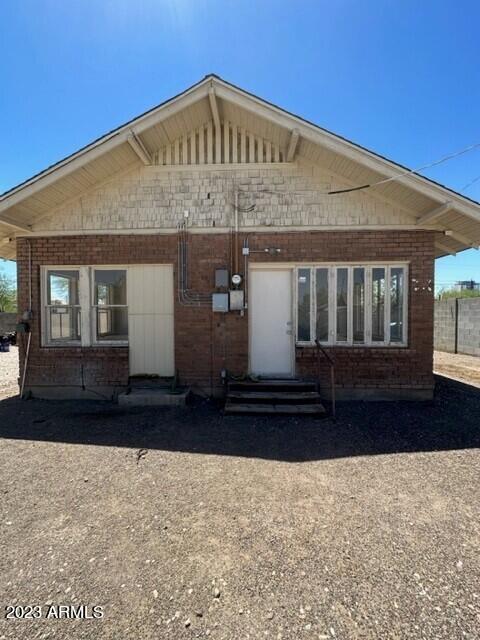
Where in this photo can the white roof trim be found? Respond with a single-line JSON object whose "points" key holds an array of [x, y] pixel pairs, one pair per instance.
{"points": [[245, 100]]}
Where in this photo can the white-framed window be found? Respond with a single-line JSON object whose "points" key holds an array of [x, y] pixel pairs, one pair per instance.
{"points": [[352, 305], [110, 311], [62, 306], [84, 306]]}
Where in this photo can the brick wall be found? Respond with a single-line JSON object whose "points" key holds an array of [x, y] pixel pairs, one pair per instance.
{"points": [[206, 342]]}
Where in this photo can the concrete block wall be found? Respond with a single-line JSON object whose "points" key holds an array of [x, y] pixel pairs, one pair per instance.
{"points": [[468, 326], [8, 322], [444, 325]]}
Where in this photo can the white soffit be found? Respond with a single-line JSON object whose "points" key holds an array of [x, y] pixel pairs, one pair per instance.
{"points": [[112, 154]]}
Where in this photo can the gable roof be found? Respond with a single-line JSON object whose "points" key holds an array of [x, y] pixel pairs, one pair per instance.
{"points": [[433, 205]]}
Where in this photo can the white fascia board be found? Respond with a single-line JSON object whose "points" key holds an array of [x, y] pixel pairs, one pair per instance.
{"points": [[101, 146], [344, 147]]}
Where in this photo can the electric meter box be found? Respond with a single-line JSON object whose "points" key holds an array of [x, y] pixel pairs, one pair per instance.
{"points": [[220, 302], [236, 300], [221, 278]]}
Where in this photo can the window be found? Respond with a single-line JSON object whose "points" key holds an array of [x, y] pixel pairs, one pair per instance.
{"points": [[352, 305], [397, 287], [359, 305], [378, 304], [63, 307], [303, 319], [322, 304], [84, 306], [110, 305]]}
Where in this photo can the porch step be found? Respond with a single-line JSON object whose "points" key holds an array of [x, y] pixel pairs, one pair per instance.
{"points": [[280, 397], [150, 382], [279, 385], [291, 409], [274, 396], [149, 397]]}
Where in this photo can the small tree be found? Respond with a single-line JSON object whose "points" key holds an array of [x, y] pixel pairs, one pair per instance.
{"points": [[8, 293]]}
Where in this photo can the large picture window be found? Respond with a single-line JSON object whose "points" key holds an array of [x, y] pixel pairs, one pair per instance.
{"points": [[352, 305], [84, 306]]}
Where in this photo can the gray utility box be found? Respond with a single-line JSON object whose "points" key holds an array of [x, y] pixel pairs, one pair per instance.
{"points": [[220, 302], [221, 278], [236, 300]]}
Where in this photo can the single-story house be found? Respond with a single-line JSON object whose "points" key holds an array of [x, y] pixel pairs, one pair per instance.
{"points": [[218, 234]]}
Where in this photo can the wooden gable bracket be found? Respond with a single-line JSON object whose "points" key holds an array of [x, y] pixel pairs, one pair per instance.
{"points": [[139, 148], [15, 225], [432, 215], [461, 238], [444, 248], [292, 145]]}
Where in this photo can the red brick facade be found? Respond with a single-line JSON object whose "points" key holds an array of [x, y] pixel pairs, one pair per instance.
{"points": [[206, 342]]}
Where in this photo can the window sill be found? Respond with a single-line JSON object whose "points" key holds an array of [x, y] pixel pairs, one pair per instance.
{"points": [[78, 345], [339, 345]]}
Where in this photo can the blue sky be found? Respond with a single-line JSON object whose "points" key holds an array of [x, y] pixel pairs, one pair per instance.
{"points": [[402, 78]]}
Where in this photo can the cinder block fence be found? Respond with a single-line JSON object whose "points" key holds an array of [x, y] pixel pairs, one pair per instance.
{"points": [[457, 325], [8, 322]]}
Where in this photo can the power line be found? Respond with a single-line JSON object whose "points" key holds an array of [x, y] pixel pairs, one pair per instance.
{"points": [[410, 171], [469, 184]]}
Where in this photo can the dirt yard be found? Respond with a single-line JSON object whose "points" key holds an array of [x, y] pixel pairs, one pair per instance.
{"points": [[188, 524], [458, 366]]}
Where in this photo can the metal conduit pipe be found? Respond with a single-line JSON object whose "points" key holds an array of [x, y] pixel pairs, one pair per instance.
{"points": [[186, 297]]}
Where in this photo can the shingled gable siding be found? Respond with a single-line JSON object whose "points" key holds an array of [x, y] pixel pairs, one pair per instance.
{"points": [[206, 342], [284, 196]]}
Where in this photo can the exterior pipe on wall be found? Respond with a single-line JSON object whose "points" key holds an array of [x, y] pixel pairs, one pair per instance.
{"points": [[236, 231]]}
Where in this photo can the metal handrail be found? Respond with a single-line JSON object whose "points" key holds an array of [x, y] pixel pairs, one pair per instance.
{"points": [[321, 350]]}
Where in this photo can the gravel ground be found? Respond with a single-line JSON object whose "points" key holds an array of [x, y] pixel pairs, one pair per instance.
{"points": [[188, 524], [9, 373], [458, 366]]}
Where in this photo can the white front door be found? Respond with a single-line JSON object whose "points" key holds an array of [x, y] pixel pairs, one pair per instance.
{"points": [[271, 326], [150, 320]]}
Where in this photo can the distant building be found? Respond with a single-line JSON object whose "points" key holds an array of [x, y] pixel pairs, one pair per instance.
{"points": [[470, 285]]}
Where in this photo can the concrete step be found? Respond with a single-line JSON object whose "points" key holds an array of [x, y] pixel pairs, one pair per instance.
{"points": [[272, 385], [275, 397], [157, 397], [150, 382], [290, 409]]}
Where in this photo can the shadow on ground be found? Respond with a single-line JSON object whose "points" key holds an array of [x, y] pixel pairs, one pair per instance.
{"points": [[451, 421]]}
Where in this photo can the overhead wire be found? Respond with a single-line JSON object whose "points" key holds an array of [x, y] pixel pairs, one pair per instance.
{"points": [[469, 184], [407, 172]]}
